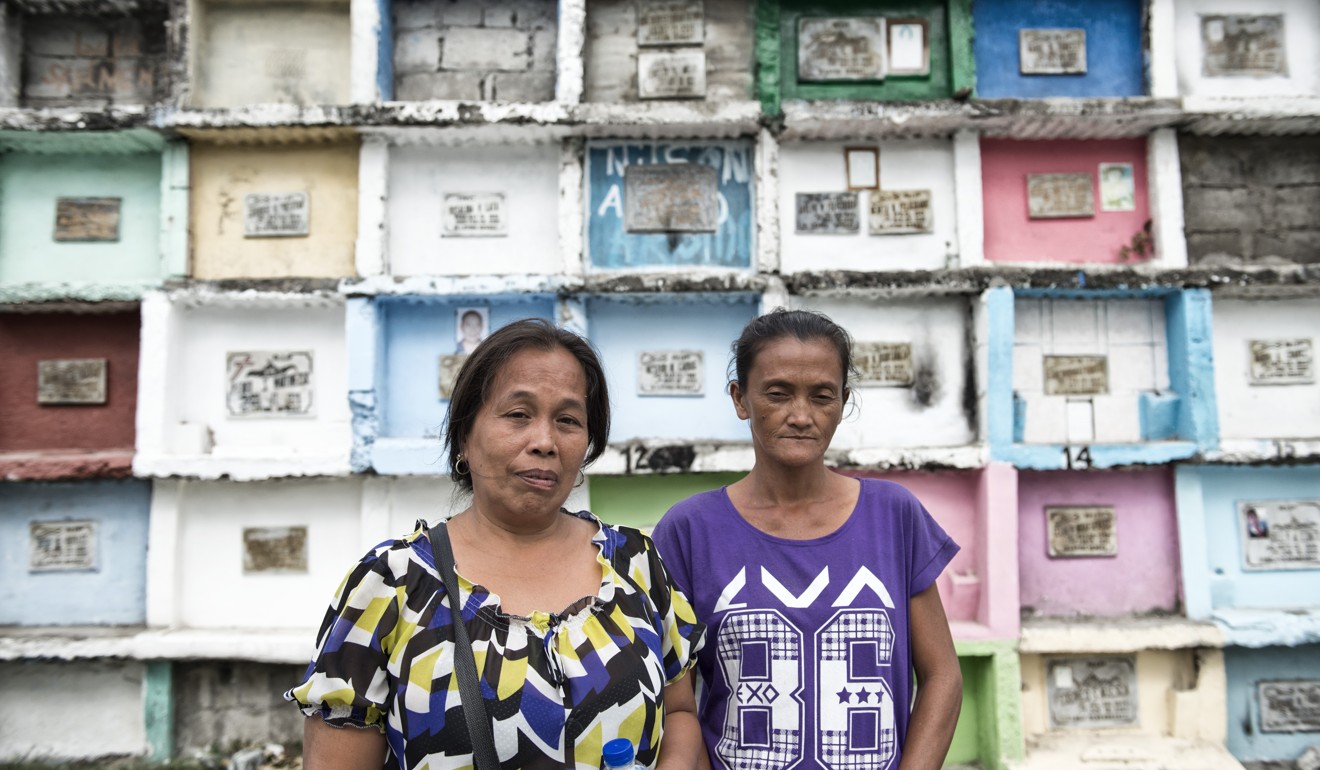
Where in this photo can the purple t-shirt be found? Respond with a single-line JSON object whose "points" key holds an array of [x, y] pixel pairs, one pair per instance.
{"points": [[807, 661]]}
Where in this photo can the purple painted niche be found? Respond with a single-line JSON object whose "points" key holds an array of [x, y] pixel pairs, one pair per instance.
{"points": [[1140, 577]]}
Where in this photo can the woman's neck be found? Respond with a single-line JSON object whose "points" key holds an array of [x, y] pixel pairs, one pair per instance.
{"points": [[789, 486], [795, 503]]}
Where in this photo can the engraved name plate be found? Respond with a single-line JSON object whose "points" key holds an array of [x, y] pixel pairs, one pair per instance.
{"points": [[1076, 530], [1282, 362], [671, 373], [1076, 375], [71, 381], [87, 219], [1280, 534], [449, 366], [474, 214], [1243, 46], [1052, 51], [274, 549], [841, 49], [61, 546], [883, 363], [276, 215], [671, 74], [1088, 692], [1289, 706], [670, 22], [269, 383], [673, 198], [900, 212], [827, 213], [1052, 196]]}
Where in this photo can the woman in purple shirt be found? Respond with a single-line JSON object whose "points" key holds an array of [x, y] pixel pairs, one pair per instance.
{"points": [[817, 588]]}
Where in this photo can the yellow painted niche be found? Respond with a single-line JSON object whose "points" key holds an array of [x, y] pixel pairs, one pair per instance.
{"points": [[223, 174]]}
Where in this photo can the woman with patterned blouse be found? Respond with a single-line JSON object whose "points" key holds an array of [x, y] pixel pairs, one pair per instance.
{"points": [[579, 635]]}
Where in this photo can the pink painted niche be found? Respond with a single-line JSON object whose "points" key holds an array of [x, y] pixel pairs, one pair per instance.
{"points": [[1011, 235], [977, 508], [1141, 578]]}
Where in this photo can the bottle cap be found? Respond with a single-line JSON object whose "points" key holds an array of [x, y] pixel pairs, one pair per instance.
{"points": [[618, 753]]}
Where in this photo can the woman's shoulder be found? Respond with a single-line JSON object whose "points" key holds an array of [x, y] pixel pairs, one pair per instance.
{"points": [[885, 496]]}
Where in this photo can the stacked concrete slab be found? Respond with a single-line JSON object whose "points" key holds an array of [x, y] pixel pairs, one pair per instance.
{"points": [[241, 246]]}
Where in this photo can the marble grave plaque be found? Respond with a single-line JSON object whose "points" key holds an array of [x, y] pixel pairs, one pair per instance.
{"points": [[276, 215], [826, 213], [841, 49], [1081, 530], [1282, 362], [883, 363], [274, 549], [1243, 46], [900, 212], [671, 198], [1054, 196], [1085, 692], [475, 215], [72, 381], [671, 373], [1052, 51], [87, 219], [62, 546], [1076, 375], [1280, 534], [1289, 706], [269, 383], [679, 74], [670, 22]]}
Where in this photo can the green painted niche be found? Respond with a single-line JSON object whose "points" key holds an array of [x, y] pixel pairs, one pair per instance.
{"points": [[640, 501]]}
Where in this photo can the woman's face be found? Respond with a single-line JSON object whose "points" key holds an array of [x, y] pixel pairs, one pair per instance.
{"points": [[530, 437], [793, 401]]}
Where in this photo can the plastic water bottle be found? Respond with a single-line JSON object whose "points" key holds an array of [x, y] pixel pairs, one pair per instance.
{"points": [[619, 755]]}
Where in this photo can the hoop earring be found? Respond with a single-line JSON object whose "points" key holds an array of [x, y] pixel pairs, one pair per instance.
{"points": [[466, 466], [582, 478]]}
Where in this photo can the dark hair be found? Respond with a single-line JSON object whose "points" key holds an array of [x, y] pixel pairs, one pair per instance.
{"points": [[802, 324], [484, 365]]}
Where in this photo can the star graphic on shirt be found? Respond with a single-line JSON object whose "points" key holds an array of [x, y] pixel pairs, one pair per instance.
{"points": [[863, 696], [844, 695]]}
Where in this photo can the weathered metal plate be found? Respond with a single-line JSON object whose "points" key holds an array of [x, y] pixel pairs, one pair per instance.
{"points": [[1280, 534], [1243, 46], [670, 22], [87, 219], [72, 381], [671, 373], [883, 363], [449, 366], [274, 549], [1076, 375], [1118, 189], [1282, 362], [269, 383], [1077, 530], [841, 49], [671, 74], [475, 215], [827, 213], [1052, 51], [1089, 692], [909, 46], [1289, 706], [901, 212], [673, 198], [1053, 196], [62, 546], [276, 215]]}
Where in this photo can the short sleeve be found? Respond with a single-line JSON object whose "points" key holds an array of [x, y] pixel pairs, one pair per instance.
{"points": [[930, 549], [347, 683], [681, 635], [667, 538]]}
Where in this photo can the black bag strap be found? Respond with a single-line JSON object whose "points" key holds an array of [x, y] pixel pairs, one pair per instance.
{"points": [[484, 756]]}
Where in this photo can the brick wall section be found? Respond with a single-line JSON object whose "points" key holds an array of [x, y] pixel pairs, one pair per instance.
{"points": [[93, 61], [489, 50], [229, 703], [1251, 199]]}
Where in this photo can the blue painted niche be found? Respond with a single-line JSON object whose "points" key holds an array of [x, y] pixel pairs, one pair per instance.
{"points": [[610, 245], [1115, 60], [114, 592], [1246, 669], [623, 327]]}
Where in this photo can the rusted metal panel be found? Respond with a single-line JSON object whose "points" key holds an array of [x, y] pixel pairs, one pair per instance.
{"points": [[670, 22], [1086, 692], [276, 215], [1282, 362], [1053, 196], [270, 383], [87, 219], [72, 381], [1280, 534], [62, 546], [1076, 375], [827, 213], [475, 215], [274, 549], [899, 212], [841, 49], [671, 373], [1289, 706], [674, 198], [1243, 46], [671, 74], [1081, 530], [1052, 51], [883, 363]]}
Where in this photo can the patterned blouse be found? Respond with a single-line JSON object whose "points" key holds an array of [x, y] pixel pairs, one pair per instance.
{"points": [[557, 687]]}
